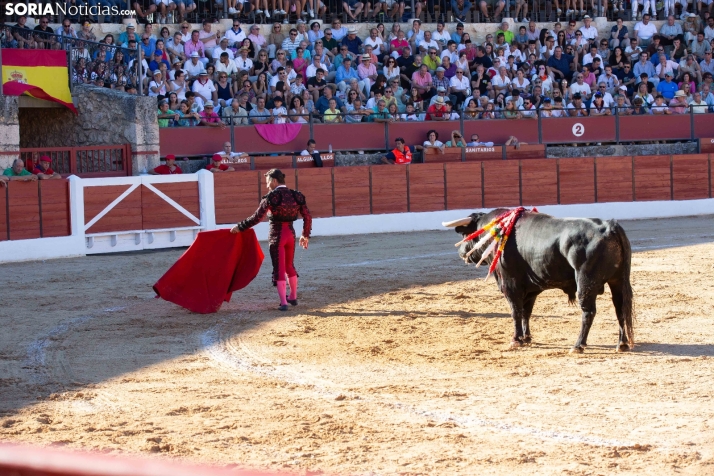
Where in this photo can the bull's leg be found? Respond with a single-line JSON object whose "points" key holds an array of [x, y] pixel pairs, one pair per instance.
{"points": [[623, 344], [586, 299], [517, 313], [527, 310]]}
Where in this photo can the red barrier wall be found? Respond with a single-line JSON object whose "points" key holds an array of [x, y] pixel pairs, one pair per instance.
{"points": [[649, 127], [426, 187], [290, 181], [614, 179], [3, 214], [703, 126], [24, 208], [55, 208], [236, 195], [653, 180], [352, 195], [527, 151], [414, 133], [157, 214], [463, 186], [501, 184], [268, 162], [690, 176], [367, 135], [577, 180], [389, 189], [580, 129], [316, 184], [539, 182], [185, 141], [499, 130]]}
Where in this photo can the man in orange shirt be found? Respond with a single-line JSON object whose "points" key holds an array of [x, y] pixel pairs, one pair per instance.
{"points": [[400, 155]]}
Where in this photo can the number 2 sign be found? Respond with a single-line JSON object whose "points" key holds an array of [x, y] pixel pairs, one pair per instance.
{"points": [[578, 129]]}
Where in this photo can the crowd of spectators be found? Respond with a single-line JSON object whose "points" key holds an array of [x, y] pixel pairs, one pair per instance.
{"points": [[328, 73]]}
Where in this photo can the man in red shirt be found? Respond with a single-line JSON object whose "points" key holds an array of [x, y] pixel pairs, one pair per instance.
{"points": [[401, 155], [43, 169], [437, 111], [169, 169], [217, 166]]}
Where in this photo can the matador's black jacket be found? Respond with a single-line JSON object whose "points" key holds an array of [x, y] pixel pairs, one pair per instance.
{"points": [[282, 206]]}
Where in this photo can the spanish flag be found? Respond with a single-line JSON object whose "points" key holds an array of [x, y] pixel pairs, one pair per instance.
{"points": [[38, 73]]}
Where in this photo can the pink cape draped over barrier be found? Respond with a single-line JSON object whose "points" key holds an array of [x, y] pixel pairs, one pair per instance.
{"points": [[278, 134], [212, 268]]}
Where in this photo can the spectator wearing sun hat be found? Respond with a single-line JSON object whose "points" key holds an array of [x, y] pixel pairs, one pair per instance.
{"points": [[352, 41], [367, 72], [209, 117], [43, 169]]}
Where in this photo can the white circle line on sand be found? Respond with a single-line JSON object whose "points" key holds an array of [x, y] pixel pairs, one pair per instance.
{"points": [[216, 348], [36, 350], [671, 244]]}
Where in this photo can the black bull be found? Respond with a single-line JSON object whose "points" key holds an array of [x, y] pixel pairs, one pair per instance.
{"points": [[577, 255]]}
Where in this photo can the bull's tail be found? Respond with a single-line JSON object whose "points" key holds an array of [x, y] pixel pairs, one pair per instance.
{"points": [[628, 311]]}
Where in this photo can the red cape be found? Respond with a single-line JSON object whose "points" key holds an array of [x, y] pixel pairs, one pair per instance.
{"points": [[216, 264]]}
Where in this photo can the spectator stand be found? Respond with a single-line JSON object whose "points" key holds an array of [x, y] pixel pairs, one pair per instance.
{"points": [[91, 52]]}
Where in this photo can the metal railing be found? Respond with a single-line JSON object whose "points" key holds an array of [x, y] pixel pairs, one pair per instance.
{"points": [[615, 128], [96, 161]]}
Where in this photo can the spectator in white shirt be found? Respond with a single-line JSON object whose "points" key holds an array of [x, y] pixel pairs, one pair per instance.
{"points": [[645, 30], [610, 80], [235, 35], [204, 89], [579, 87], [588, 30], [243, 63], [375, 41], [428, 42], [175, 47], [589, 57], [222, 48], [311, 70], [225, 65], [459, 86], [194, 67], [666, 66], [441, 35], [607, 98]]}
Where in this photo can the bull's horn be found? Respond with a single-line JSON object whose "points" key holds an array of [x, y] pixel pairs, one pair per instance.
{"points": [[459, 222]]}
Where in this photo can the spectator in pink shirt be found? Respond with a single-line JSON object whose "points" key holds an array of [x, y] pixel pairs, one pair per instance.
{"points": [[195, 45], [367, 72], [208, 37], [257, 39], [209, 117], [423, 83]]}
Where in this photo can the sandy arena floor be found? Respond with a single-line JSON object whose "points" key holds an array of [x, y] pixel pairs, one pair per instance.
{"points": [[395, 362]]}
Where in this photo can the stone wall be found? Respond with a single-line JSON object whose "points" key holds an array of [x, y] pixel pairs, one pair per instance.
{"points": [[9, 131], [105, 117], [622, 150], [342, 159]]}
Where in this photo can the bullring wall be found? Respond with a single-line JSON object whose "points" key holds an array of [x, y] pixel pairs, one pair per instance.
{"points": [[75, 217]]}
